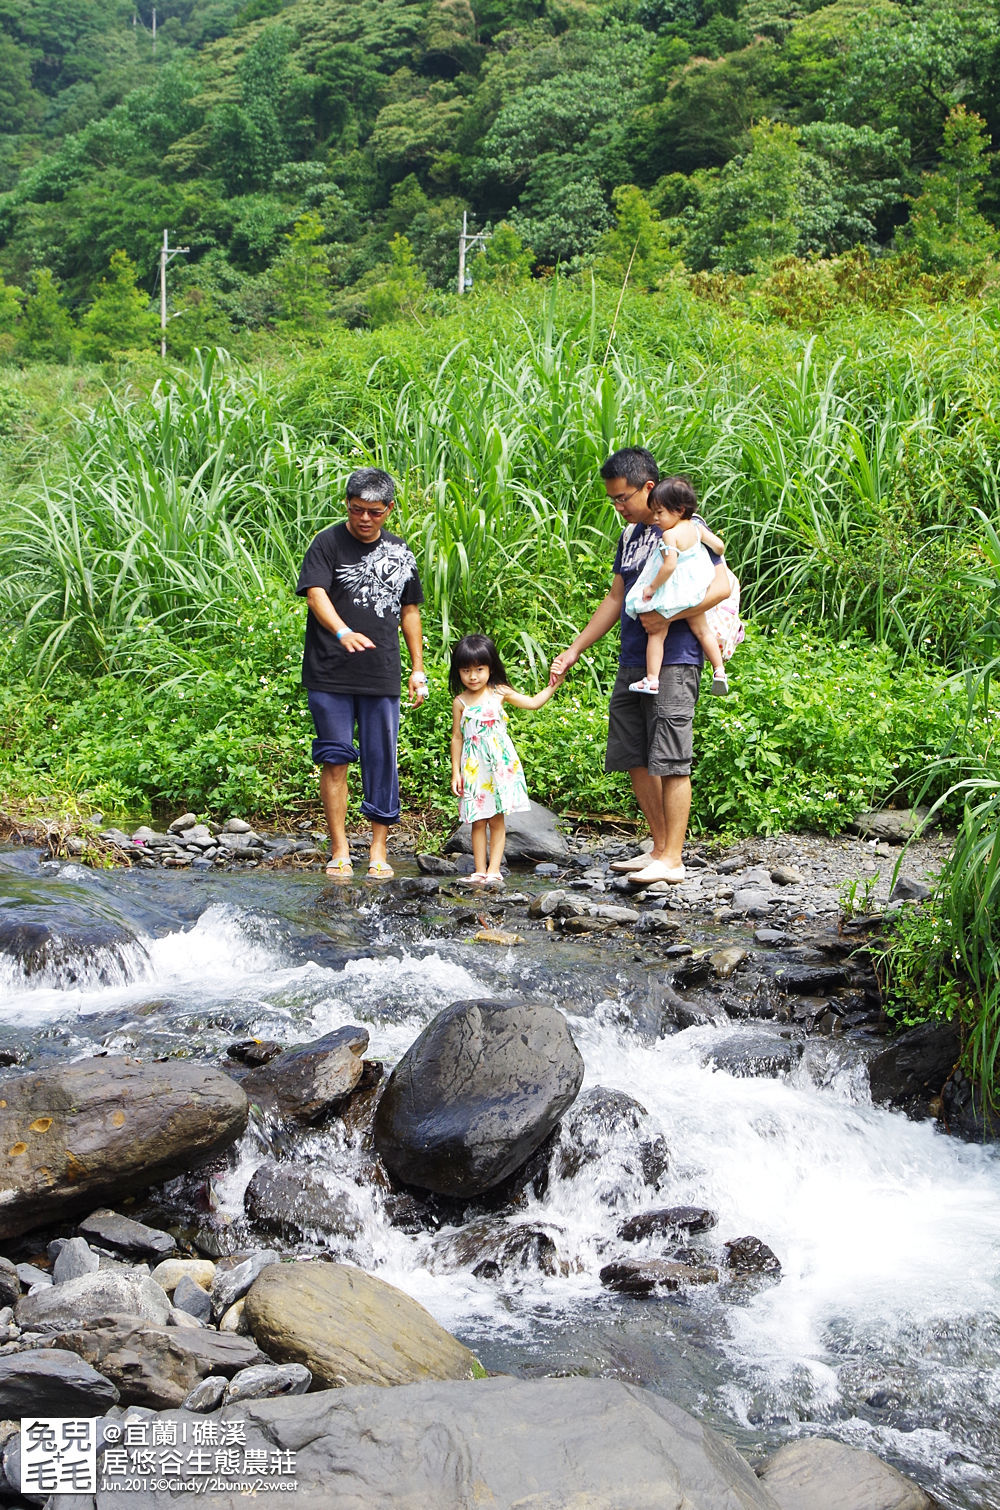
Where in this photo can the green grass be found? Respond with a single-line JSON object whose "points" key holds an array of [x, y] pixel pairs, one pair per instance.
{"points": [[150, 534]]}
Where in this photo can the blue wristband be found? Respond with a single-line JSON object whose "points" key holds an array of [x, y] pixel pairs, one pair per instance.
{"points": [[341, 632]]}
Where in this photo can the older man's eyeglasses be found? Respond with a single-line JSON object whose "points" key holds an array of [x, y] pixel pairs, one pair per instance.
{"points": [[373, 510], [617, 498]]}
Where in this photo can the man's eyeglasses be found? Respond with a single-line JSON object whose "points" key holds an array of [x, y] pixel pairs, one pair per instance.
{"points": [[373, 510], [618, 498]]}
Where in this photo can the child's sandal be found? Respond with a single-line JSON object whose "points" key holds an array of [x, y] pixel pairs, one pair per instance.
{"points": [[648, 684]]}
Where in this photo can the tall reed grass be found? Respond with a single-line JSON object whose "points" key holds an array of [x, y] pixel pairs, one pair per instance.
{"points": [[851, 484]]}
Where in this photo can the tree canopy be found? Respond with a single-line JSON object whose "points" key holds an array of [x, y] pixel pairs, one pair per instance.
{"points": [[287, 143]]}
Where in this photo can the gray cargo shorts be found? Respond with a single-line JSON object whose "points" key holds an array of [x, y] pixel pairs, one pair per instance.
{"points": [[655, 732]]}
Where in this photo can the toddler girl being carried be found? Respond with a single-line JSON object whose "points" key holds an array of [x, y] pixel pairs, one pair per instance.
{"points": [[676, 576], [486, 773]]}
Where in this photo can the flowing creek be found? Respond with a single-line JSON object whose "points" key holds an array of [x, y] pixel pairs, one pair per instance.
{"points": [[884, 1330]]}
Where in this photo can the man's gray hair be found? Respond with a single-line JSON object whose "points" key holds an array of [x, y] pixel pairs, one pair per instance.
{"points": [[371, 486]]}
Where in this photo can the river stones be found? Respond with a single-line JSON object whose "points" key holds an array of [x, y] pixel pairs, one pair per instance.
{"points": [[476, 1094], [819, 1474], [501, 1442], [52, 1382], [90, 1297], [908, 1075], [72, 1136], [311, 1080], [158, 1366], [347, 1327]]}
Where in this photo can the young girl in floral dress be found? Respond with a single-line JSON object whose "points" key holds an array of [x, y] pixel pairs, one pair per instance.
{"points": [[486, 773]]}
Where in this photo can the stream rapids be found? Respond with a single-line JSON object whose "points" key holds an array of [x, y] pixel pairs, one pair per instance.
{"points": [[884, 1328]]}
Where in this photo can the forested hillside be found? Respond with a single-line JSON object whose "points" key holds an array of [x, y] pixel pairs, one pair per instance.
{"points": [[315, 157]]}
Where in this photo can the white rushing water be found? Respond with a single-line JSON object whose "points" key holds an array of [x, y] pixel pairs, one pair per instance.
{"points": [[885, 1326]]}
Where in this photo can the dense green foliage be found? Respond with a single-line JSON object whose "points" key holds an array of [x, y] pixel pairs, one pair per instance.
{"points": [[149, 538], [315, 159]]}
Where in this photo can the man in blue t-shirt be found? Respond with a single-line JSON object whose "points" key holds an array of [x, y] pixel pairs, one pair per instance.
{"points": [[362, 588], [650, 737]]}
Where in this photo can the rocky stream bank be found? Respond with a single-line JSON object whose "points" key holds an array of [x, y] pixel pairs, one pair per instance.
{"points": [[263, 1351]]}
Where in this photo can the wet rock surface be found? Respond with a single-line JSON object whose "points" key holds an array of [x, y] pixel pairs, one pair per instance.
{"points": [[476, 1094], [659, 962], [104, 1127]]}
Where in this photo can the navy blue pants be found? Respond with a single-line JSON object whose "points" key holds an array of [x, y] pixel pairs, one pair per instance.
{"points": [[335, 715]]}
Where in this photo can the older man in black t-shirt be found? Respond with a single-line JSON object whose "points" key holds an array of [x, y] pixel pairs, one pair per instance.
{"points": [[362, 588]]}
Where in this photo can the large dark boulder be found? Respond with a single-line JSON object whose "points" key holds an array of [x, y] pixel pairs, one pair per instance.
{"points": [[909, 1074], [476, 1094], [74, 1137]]}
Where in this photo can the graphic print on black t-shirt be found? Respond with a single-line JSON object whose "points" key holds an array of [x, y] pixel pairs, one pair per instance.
{"points": [[368, 583], [377, 581]]}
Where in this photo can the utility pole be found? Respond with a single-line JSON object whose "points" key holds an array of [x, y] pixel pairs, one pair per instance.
{"points": [[465, 240], [154, 31], [167, 253]]}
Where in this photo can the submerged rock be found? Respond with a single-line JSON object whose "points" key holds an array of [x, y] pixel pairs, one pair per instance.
{"points": [[104, 1127], [294, 1201], [607, 1121], [97, 950], [640, 1276], [476, 1094], [746, 1055], [492, 1248], [667, 1221]]}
